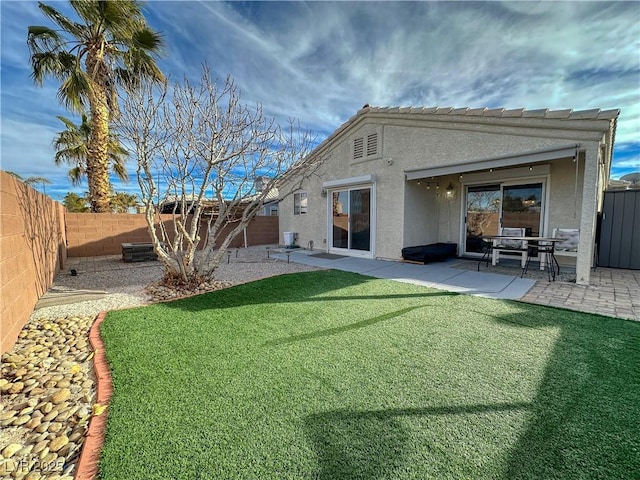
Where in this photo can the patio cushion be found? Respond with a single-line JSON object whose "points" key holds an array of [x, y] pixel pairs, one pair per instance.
{"points": [[503, 243], [571, 238], [430, 253]]}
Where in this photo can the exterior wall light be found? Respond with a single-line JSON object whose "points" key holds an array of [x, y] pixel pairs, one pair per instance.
{"points": [[450, 192]]}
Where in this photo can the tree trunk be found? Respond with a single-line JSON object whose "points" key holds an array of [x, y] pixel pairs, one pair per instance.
{"points": [[98, 155]]}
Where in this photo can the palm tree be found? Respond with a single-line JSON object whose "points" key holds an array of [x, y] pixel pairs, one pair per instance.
{"points": [[72, 147], [32, 181], [111, 45], [122, 202], [75, 203]]}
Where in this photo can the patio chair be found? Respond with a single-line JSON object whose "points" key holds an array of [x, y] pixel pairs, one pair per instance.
{"points": [[569, 246], [509, 246]]}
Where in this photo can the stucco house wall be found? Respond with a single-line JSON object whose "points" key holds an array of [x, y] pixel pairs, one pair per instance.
{"points": [[410, 206]]}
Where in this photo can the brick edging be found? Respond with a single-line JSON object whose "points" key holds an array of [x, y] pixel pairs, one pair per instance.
{"points": [[87, 466]]}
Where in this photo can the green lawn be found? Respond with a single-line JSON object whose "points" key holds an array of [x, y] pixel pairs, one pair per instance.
{"points": [[331, 375]]}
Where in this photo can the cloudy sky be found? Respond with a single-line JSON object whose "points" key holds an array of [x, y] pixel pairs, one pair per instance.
{"points": [[320, 62]]}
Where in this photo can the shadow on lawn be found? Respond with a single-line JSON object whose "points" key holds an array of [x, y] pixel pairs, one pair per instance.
{"points": [[345, 328], [289, 288], [585, 419], [583, 422], [373, 444]]}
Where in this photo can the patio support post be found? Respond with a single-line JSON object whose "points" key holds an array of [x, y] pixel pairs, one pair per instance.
{"points": [[588, 213]]}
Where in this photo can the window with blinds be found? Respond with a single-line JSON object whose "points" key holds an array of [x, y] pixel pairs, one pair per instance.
{"points": [[300, 203]]}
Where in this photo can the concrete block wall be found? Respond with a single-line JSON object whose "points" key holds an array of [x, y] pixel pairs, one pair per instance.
{"points": [[32, 250], [261, 231], [95, 234]]}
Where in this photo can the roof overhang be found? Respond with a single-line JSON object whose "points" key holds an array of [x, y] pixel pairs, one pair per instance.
{"points": [[524, 158]]}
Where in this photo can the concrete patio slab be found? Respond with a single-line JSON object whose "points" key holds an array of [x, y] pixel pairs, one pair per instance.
{"points": [[442, 276]]}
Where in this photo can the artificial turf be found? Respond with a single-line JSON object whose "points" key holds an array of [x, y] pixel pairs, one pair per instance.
{"points": [[332, 375]]}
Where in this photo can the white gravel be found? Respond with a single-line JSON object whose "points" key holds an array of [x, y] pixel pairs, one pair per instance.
{"points": [[125, 283]]}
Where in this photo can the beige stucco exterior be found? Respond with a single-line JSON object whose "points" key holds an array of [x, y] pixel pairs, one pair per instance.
{"points": [[421, 151]]}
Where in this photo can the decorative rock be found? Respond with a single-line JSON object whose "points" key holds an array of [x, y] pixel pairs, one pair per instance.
{"points": [[64, 451], [43, 427], [58, 443], [33, 423], [51, 415], [44, 453], [73, 410], [41, 437], [9, 414], [63, 383], [26, 411], [11, 449], [82, 412], [47, 362], [47, 393], [21, 420], [16, 387], [54, 427], [25, 451], [76, 435], [49, 458], [63, 416], [40, 446], [60, 396]]}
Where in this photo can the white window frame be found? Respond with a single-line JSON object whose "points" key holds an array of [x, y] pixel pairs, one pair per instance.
{"points": [[300, 203], [364, 181]]}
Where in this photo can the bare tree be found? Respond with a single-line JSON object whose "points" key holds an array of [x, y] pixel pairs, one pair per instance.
{"points": [[199, 150]]}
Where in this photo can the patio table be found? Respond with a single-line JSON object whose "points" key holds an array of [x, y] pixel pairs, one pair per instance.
{"points": [[544, 245]]}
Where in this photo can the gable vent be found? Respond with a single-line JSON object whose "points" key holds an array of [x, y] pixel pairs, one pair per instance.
{"points": [[372, 144], [358, 147]]}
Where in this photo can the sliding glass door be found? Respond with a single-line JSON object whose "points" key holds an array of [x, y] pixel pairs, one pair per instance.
{"points": [[351, 219], [483, 215], [522, 207], [490, 207]]}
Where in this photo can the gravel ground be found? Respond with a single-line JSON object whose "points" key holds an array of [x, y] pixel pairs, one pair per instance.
{"points": [[125, 283]]}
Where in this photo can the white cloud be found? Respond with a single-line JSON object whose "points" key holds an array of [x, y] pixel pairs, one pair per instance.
{"points": [[319, 62]]}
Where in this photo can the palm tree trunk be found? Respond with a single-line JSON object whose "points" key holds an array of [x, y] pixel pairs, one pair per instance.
{"points": [[98, 154]]}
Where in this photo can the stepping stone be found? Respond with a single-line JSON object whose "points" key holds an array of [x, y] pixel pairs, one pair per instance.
{"points": [[64, 297]]}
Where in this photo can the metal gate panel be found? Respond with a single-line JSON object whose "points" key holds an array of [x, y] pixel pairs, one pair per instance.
{"points": [[619, 245]]}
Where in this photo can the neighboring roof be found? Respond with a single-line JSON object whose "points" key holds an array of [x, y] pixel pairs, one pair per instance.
{"points": [[439, 113], [631, 177], [271, 196]]}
